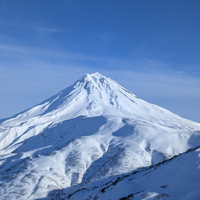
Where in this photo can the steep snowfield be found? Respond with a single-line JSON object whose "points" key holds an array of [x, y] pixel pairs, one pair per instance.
{"points": [[93, 130]]}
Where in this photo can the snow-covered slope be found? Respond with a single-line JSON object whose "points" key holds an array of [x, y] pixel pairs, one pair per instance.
{"points": [[173, 179], [91, 131]]}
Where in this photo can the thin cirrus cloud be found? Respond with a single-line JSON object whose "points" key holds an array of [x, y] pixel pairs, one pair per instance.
{"points": [[11, 48], [40, 29], [17, 55], [48, 30]]}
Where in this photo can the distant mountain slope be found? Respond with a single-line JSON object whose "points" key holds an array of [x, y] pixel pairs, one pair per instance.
{"points": [[92, 130]]}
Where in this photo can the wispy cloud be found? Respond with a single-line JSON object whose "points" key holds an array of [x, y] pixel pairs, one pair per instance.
{"points": [[26, 54], [40, 29], [48, 30], [11, 48]]}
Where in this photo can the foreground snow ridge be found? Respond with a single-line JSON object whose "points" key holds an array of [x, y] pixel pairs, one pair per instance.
{"points": [[96, 140]]}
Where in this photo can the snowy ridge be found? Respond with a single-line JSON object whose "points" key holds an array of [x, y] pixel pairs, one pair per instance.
{"points": [[90, 131], [158, 181]]}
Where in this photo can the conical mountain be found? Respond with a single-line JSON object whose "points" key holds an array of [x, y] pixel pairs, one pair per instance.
{"points": [[90, 131]]}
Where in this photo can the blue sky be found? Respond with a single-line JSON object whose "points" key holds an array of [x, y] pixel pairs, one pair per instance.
{"points": [[151, 48]]}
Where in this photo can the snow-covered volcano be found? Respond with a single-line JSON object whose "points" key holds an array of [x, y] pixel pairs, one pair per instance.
{"points": [[92, 131]]}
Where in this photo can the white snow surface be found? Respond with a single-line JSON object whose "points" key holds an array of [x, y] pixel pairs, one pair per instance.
{"points": [[91, 131]]}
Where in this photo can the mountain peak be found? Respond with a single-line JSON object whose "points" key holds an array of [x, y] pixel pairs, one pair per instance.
{"points": [[94, 76], [97, 85], [95, 80]]}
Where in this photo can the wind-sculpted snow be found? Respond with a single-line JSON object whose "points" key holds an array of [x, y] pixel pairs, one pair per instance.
{"points": [[91, 131]]}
